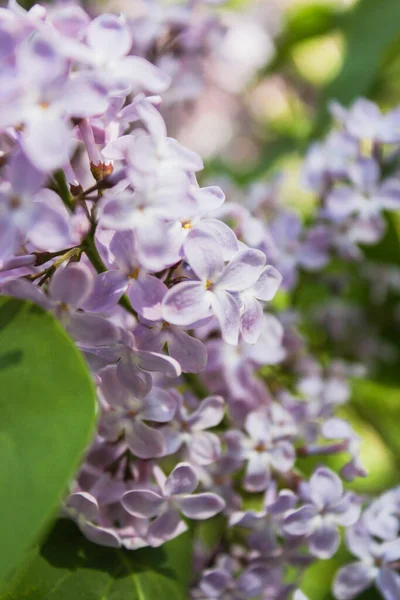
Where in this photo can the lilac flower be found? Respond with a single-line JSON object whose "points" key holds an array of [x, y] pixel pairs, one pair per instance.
{"points": [[377, 563], [175, 497], [124, 416], [263, 450], [133, 364], [188, 431], [215, 291], [319, 519], [68, 290], [220, 582], [366, 196], [84, 510], [364, 121]]}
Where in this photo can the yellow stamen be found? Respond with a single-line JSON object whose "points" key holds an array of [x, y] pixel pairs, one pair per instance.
{"points": [[366, 147], [135, 273], [208, 284]]}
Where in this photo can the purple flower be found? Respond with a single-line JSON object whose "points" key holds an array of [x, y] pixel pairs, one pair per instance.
{"points": [[188, 431], [318, 520], [377, 563], [124, 416], [175, 497], [68, 289], [262, 449], [84, 510], [217, 287]]}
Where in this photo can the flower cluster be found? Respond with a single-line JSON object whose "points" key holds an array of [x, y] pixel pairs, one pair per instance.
{"points": [[208, 405]]}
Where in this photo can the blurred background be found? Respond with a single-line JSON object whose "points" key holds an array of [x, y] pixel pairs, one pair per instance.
{"points": [[251, 103]]}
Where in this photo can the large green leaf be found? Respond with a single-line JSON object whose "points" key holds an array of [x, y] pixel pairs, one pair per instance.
{"points": [[370, 30], [69, 567], [47, 414]]}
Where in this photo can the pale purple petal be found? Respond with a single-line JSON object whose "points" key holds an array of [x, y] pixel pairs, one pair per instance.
{"points": [[186, 303], [226, 238], [190, 352], [143, 75], [258, 427], [182, 480], [353, 579], [243, 270], [391, 551], [201, 506], [144, 441], [137, 381], [251, 320], [109, 36], [214, 582], [47, 140], [204, 448], [107, 290], [300, 521], [257, 474], [146, 295], [71, 285], [153, 361], [100, 535], [142, 503], [50, 230], [388, 583], [324, 541], [159, 406], [82, 503], [166, 527], [92, 330], [268, 284], [203, 254], [227, 311], [325, 487], [209, 414], [283, 456]]}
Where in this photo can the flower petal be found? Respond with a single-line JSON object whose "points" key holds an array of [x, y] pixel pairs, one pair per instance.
{"points": [[71, 285], [203, 254], [186, 303], [209, 414], [325, 541], [166, 527], [243, 270], [268, 284], [325, 487], [201, 506], [352, 579], [144, 441], [142, 503], [227, 311], [182, 480]]}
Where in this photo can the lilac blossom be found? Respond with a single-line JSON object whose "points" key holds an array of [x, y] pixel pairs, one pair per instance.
{"points": [[188, 431], [217, 288], [175, 497], [318, 520], [377, 564]]}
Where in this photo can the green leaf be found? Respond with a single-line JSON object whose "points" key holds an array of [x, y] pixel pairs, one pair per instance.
{"points": [[370, 30], [47, 415], [68, 566], [304, 23]]}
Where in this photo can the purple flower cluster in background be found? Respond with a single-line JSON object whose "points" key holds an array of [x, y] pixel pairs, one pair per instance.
{"points": [[210, 400]]}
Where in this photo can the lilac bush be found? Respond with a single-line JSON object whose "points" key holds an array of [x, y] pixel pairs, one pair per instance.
{"points": [[209, 397]]}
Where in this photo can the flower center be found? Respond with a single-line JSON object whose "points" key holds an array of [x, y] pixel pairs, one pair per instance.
{"points": [[135, 273], [208, 284]]}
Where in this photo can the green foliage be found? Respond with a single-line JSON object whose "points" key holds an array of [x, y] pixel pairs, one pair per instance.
{"points": [[47, 415], [370, 30], [68, 566]]}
